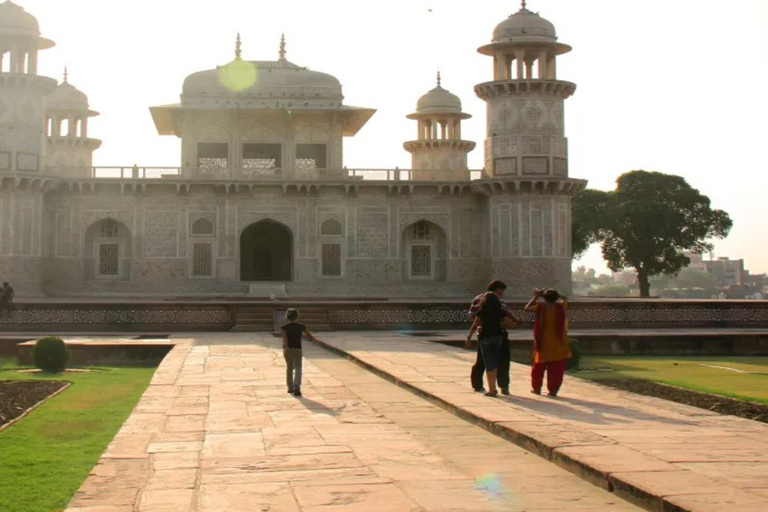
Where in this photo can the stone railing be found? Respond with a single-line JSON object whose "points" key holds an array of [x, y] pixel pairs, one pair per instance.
{"points": [[136, 172], [219, 315]]}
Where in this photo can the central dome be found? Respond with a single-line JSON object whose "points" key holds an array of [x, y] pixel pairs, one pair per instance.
{"points": [[278, 84], [524, 25]]}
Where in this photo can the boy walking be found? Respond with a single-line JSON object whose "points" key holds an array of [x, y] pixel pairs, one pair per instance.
{"points": [[292, 332]]}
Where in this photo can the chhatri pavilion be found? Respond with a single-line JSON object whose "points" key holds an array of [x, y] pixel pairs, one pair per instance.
{"points": [[261, 203]]}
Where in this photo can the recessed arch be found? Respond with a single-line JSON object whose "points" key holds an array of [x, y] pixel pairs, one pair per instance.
{"points": [[331, 227], [202, 227], [423, 251], [107, 250], [266, 252]]}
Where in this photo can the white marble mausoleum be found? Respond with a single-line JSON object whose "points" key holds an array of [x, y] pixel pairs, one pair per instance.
{"points": [[261, 202]]}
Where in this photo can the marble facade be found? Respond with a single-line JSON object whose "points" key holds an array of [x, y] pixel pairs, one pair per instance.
{"points": [[261, 203]]}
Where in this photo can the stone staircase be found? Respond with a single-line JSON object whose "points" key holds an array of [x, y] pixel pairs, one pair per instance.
{"points": [[254, 319], [269, 318]]}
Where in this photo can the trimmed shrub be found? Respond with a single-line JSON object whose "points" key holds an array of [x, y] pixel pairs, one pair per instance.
{"points": [[573, 362], [50, 354]]}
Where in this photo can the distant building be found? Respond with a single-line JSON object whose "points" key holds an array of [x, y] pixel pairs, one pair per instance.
{"points": [[697, 261], [724, 271]]}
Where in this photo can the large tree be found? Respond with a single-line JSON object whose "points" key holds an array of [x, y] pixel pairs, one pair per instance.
{"points": [[645, 224]]}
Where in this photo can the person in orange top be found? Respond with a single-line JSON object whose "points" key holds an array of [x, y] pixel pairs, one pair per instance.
{"points": [[550, 339]]}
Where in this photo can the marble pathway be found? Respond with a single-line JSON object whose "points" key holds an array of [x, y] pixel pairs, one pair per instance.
{"points": [[216, 431], [662, 455]]}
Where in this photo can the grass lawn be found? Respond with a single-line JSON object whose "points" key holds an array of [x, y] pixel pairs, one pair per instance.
{"points": [[47, 455], [737, 377]]}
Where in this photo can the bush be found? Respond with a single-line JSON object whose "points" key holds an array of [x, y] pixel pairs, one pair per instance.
{"points": [[573, 362], [50, 354]]}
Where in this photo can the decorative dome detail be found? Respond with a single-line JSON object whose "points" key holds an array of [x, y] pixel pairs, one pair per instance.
{"points": [[439, 101], [16, 22], [282, 82], [67, 95], [524, 26]]}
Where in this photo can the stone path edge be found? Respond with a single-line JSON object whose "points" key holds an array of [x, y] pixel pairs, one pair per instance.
{"points": [[611, 483]]}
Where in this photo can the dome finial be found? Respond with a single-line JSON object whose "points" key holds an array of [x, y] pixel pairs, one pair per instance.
{"points": [[237, 47], [523, 6], [282, 46], [438, 78], [66, 74]]}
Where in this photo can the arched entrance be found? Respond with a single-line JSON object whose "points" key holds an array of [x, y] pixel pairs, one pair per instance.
{"points": [[266, 252]]}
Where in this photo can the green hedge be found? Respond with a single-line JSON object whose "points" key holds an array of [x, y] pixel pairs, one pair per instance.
{"points": [[50, 354]]}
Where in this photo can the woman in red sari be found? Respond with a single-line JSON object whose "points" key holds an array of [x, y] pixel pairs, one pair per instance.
{"points": [[550, 340]]}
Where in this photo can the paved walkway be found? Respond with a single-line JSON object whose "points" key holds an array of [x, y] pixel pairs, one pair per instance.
{"points": [[663, 455], [216, 431]]}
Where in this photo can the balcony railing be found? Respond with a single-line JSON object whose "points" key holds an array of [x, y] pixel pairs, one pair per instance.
{"points": [[136, 172]]}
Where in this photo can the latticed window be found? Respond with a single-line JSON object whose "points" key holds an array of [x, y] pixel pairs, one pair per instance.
{"points": [[202, 227], [109, 229], [421, 261], [421, 231], [331, 227], [109, 260], [202, 260], [212, 156], [305, 164], [331, 260]]}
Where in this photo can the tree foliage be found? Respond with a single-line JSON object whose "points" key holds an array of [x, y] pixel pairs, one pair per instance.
{"points": [[646, 222]]}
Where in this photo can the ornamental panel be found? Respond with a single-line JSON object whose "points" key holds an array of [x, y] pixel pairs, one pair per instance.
{"points": [[440, 219], [161, 234], [64, 233], [372, 234], [88, 217], [560, 166], [505, 166], [535, 165]]}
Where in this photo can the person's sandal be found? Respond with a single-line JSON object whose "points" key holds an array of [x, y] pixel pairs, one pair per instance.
{"points": [[491, 393], [536, 391]]}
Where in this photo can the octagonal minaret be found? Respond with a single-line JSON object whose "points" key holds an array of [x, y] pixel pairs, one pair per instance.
{"points": [[526, 159], [70, 150], [22, 91], [439, 153]]}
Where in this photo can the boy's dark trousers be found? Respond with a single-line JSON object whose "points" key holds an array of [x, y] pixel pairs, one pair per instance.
{"points": [[477, 376]]}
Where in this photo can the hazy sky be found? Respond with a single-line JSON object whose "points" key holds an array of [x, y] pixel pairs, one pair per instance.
{"points": [[673, 86]]}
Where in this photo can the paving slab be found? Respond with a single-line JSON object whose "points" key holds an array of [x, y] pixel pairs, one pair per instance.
{"points": [[659, 454], [216, 431]]}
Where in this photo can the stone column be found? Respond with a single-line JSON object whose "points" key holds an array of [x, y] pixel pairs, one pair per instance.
{"points": [[520, 61]]}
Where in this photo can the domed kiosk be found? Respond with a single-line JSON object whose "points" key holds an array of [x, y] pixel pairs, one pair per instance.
{"points": [[70, 150], [439, 153], [260, 119]]}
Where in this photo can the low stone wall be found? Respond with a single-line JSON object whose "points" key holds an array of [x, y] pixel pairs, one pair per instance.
{"points": [[145, 317], [219, 315], [584, 314]]}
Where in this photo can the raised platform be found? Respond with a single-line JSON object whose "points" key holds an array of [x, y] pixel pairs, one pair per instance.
{"points": [[656, 454], [107, 351]]}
